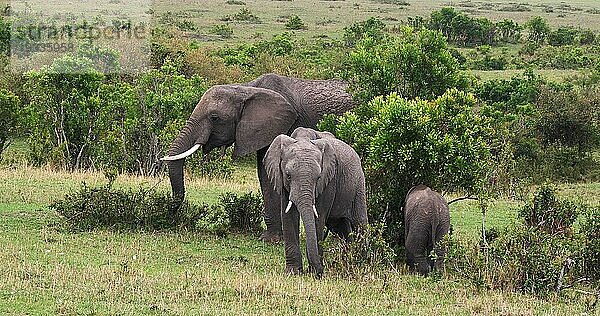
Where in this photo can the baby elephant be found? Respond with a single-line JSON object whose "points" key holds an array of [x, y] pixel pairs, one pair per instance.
{"points": [[319, 179], [426, 222]]}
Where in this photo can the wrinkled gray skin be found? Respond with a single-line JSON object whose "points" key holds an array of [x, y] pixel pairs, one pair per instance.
{"points": [[426, 222], [315, 169], [250, 116]]}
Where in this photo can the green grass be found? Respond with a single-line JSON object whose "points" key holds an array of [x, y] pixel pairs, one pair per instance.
{"points": [[47, 271]]}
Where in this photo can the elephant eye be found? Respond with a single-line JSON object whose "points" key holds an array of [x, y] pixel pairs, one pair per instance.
{"points": [[289, 177], [214, 117]]}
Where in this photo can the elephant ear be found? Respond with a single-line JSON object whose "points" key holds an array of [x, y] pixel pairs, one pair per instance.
{"points": [[272, 161], [264, 115], [328, 164]]}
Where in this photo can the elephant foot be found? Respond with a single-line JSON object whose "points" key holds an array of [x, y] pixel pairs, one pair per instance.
{"points": [[316, 272], [292, 270], [271, 237]]}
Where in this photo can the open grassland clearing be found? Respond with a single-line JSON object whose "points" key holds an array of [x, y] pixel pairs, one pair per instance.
{"points": [[328, 18]]}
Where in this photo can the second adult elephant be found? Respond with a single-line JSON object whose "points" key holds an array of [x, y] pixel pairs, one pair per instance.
{"points": [[320, 181], [250, 116]]}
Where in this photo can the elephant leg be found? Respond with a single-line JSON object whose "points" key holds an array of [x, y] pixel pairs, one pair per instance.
{"points": [[291, 239], [417, 254], [341, 227], [272, 203]]}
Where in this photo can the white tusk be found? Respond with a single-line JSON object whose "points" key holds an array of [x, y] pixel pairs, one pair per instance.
{"points": [[287, 209], [315, 210], [182, 155]]}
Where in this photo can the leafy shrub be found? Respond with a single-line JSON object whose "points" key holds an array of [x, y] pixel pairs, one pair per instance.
{"points": [[538, 29], [372, 28], [104, 59], [590, 229], [550, 130], [562, 36], [215, 222], [537, 255], [295, 23], [415, 64], [80, 118], [214, 165], [10, 118], [564, 57], [445, 143], [463, 30], [139, 121], [488, 60], [567, 130], [243, 211], [365, 254], [549, 214], [105, 207], [223, 30], [64, 108], [245, 15], [5, 30], [587, 37]]}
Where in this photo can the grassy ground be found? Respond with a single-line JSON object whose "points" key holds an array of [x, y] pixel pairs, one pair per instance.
{"points": [[46, 271]]}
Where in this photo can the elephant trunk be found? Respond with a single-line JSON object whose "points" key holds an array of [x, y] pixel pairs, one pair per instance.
{"points": [[184, 145], [307, 213]]}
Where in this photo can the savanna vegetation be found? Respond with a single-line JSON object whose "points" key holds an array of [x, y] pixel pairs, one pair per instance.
{"points": [[496, 101]]}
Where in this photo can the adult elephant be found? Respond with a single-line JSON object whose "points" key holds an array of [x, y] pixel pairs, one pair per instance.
{"points": [[250, 116], [319, 179]]}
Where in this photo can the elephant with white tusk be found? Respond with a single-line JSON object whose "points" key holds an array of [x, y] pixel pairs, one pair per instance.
{"points": [[321, 180], [249, 116]]}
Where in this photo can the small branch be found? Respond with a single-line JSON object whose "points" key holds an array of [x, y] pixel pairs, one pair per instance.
{"points": [[566, 265], [464, 198]]}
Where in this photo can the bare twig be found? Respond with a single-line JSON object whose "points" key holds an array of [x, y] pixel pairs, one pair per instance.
{"points": [[464, 198], [566, 265]]}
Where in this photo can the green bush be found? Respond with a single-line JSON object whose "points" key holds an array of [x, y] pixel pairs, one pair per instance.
{"points": [[80, 118], [10, 118], [245, 15], [463, 30], [223, 30], [63, 110], [590, 229], [138, 121], [109, 208], [415, 64], [564, 57], [445, 143], [215, 222], [372, 28], [105, 207], [539, 254], [538, 29], [367, 253], [551, 131], [563, 36], [243, 211], [215, 165], [549, 214], [295, 23]]}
